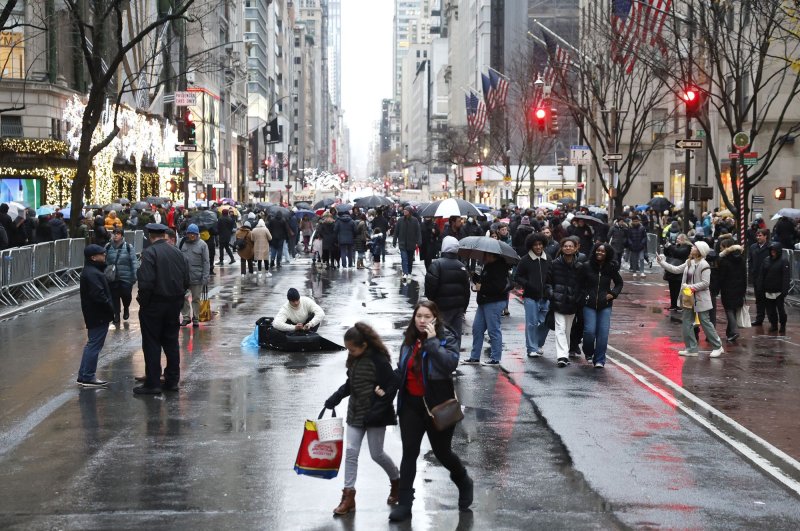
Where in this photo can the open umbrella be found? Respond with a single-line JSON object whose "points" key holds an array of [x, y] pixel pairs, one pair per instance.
{"points": [[141, 205], [449, 207], [344, 207], [124, 201], [660, 203], [231, 210], [588, 219], [16, 210], [642, 208], [305, 212], [324, 203], [204, 219], [482, 207], [304, 205], [274, 209], [113, 206], [547, 205], [793, 213], [44, 210], [263, 206], [566, 201], [372, 201], [473, 247]]}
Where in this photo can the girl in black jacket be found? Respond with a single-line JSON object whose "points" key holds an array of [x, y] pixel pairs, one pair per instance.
{"points": [[492, 287], [531, 274], [775, 281], [596, 279], [371, 385], [563, 291], [676, 254], [732, 276]]}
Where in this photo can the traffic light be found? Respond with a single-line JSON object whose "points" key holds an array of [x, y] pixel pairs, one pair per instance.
{"points": [[201, 196], [561, 171], [692, 99], [540, 118], [191, 135], [780, 193], [181, 131], [343, 176], [553, 121], [265, 163], [479, 175]]}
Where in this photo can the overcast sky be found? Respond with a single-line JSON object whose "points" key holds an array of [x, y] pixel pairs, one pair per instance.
{"points": [[366, 71]]}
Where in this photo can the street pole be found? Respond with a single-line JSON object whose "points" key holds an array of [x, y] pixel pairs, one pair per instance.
{"points": [[687, 168], [183, 83]]}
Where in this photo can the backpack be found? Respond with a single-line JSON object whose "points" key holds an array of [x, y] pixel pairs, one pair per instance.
{"points": [[239, 244]]}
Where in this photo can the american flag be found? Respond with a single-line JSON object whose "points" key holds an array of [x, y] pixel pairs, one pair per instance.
{"points": [[499, 88], [635, 22], [476, 114], [557, 62], [488, 93]]}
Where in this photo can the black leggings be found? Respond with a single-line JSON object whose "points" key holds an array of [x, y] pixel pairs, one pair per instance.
{"points": [[674, 282], [414, 423]]}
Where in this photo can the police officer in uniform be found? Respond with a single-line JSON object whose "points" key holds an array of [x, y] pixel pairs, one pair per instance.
{"points": [[163, 279]]}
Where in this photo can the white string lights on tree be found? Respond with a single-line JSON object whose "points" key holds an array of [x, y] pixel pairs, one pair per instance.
{"points": [[139, 137]]}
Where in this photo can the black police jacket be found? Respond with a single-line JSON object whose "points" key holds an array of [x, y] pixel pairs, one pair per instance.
{"points": [[163, 274], [95, 296]]}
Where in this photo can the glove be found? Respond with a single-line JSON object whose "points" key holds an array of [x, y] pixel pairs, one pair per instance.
{"points": [[331, 403]]}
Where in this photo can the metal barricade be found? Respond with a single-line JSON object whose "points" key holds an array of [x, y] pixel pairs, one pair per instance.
{"points": [[5, 278], [130, 237], [42, 266], [61, 260], [138, 241], [76, 258], [793, 257], [20, 272]]}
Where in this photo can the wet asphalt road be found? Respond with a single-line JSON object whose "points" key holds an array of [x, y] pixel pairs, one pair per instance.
{"points": [[549, 448]]}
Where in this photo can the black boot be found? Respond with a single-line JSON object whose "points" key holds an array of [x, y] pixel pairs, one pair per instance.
{"points": [[782, 329], [402, 511], [271, 264], [464, 485]]}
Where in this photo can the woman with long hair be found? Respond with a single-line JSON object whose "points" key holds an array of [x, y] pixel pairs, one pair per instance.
{"points": [[597, 276], [428, 357], [563, 292], [371, 385]]}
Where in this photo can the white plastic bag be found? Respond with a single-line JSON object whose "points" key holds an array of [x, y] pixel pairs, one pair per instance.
{"points": [[743, 317]]}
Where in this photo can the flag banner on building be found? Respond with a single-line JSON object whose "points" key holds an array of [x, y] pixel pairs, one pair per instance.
{"points": [[636, 22], [499, 88], [488, 96], [476, 115], [557, 62]]}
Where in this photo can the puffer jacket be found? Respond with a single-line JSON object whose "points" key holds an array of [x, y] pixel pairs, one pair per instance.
{"points": [[365, 409], [361, 236], [637, 238], [563, 285], [447, 283], [325, 228], [345, 229], [732, 276], [532, 275], [196, 254], [124, 257], [439, 360], [596, 283], [618, 237], [775, 273], [518, 240]]}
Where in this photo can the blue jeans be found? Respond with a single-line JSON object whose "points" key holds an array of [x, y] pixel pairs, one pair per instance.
{"points": [[346, 254], [487, 317], [596, 324], [406, 260], [276, 250], [535, 328], [97, 338]]}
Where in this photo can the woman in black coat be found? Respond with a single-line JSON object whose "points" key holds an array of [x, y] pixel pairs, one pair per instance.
{"points": [[775, 277], [676, 254], [596, 278], [563, 292], [732, 276]]}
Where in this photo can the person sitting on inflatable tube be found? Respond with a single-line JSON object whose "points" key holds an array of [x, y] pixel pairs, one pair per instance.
{"points": [[299, 314]]}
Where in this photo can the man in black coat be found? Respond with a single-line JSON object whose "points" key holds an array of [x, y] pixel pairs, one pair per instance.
{"points": [[97, 310], [518, 241], [775, 281], [163, 277], [531, 274], [408, 235], [280, 230], [429, 246], [758, 252], [447, 284], [226, 226], [8, 224]]}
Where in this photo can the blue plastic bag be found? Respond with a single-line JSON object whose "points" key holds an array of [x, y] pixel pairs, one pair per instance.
{"points": [[251, 341]]}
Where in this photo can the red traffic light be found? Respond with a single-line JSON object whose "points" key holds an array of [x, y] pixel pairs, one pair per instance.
{"points": [[690, 95], [540, 114], [780, 193]]}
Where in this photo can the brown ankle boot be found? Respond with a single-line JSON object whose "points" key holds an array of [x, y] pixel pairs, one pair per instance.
{"points": [[348, 503], [393, 495]]}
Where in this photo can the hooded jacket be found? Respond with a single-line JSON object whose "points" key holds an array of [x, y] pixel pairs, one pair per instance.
{"points": [[345, 229], [775, 274], [697, 275], [365, 409], [124, 257], [278, 227], [563, 285], [596, 281], [494, 282], [447, 281], [732, 274], [196, 253], [246, 252], [261, 237]]}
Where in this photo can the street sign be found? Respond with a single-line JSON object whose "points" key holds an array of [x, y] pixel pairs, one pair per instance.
{"points": [[741, 141], [758, 211], [700, 133], [581, 186], [580, 155], [758, 199], [733, 156], [209, 174], [174, 162], [184, 98], [609, 157], [688, 143], [750, 159], [185, 147]]}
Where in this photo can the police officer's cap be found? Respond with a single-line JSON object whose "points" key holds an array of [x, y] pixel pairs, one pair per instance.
{"points": [[156, 228]]}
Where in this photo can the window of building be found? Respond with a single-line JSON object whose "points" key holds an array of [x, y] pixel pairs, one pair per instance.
{"points": [[297, 60], [11, 125], [12, 54]]}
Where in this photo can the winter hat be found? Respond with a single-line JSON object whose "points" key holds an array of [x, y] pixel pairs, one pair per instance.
{"points": [[93, 249], [247, 224], [525, 220], [192, 229], [703, 248], [293, 294], [260, 223], [251, 215], [449, 245]]}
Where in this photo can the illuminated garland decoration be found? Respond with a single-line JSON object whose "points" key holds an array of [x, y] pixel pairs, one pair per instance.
{"points": [[34, 146]]}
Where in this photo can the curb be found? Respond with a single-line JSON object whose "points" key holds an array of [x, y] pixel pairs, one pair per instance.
{"points": [[14, 311]]}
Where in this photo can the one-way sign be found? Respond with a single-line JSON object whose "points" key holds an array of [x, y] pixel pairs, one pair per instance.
{"points": [[686, 143], [609, 157], [185, 147]]}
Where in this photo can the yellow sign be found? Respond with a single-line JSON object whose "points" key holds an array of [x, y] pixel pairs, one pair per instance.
{"points": [[506, 179], [12, 54]]}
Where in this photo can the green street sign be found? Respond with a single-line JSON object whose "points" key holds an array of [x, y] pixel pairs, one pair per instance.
{"points": [[700, 133], [174, 162]]}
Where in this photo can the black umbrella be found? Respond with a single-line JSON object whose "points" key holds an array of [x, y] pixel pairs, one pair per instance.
{"points": [[305, 212], [141, 205], [325, 203], [588, 219], [112, 206], [344, 207], [566, 201], [204, 219], [660, 204], [474, 247], [123, 201], [274, 209], [303, 205], [263, 206], [372, 201]]}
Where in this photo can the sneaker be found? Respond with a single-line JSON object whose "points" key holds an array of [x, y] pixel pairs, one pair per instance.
{"points": [[687, 353], [470, 361], [733, 338], [185, 322], [491, 363], [717, 352], [589, 359], [170, 387], [563, 362], [94, 384], [599, 365], [144, 390], [534, 354], [574, 354], [505, 313], [267, 274], [540, 351]]}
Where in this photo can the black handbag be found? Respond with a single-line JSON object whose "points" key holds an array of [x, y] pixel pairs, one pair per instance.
{"points": [[550, 319], [445, 415]]}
